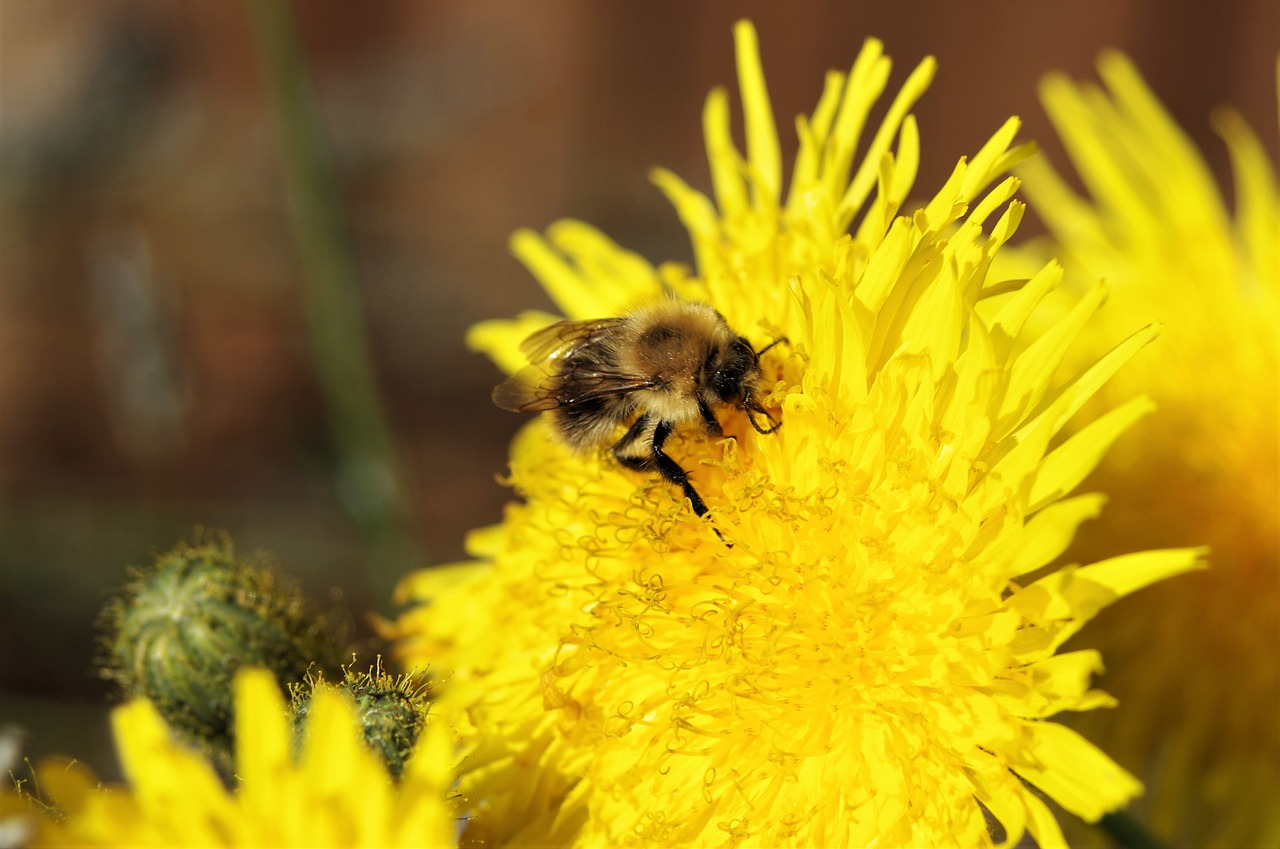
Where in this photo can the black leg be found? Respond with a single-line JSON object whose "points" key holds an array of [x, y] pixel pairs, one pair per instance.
{"points": [[630, 450], [671, 470], [654, 459], [709, 418]]}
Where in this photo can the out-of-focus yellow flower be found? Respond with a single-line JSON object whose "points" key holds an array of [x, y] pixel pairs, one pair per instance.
{"points": [[20, 819], [872, 661], [1194, 662], [335, 793]]}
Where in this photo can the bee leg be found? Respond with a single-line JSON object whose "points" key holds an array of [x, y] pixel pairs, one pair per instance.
{"points": [[647, 431], [630, 450], [709, 418], [671, 470], [647, 435]]}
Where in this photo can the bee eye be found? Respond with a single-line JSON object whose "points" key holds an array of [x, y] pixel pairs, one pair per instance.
{"points": [[727, 384], [731, 372]]}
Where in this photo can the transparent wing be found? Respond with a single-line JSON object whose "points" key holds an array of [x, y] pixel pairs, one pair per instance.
{"points": [[538, 387], [530, 390], [558, 340], [556, 378]]}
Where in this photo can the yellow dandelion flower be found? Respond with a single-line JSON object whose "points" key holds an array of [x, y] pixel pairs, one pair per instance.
{"points": [[335, 793], [1200, 722], [871, 661]]}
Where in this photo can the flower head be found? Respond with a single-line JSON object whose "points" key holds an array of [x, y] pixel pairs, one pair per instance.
{"points": [[1200, 722], [871, 660], [336, 793]]}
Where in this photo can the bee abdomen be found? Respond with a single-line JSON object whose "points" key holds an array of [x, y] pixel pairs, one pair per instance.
{"points": [[589, 423]]}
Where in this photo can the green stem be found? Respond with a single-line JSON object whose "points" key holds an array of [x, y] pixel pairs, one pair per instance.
{"points": [[368, 475], [1129, 832]]}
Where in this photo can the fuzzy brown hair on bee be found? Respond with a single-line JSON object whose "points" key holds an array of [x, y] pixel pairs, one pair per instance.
{"points": [[655, 369]]}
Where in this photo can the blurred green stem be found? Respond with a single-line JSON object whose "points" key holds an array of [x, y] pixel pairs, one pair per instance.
{"points": [[369, 478], [1128, 832]]}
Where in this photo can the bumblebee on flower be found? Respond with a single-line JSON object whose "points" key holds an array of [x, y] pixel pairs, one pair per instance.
{"points": [[659, 367]]}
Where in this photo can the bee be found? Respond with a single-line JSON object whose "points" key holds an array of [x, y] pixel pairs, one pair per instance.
{"points": [[656, 369]]}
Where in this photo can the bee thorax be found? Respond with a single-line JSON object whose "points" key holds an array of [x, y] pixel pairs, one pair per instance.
{"points": [[674, 406]]}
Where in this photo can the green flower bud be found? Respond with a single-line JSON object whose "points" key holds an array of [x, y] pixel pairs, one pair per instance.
{"points": [[392, 710], [188, 622]]}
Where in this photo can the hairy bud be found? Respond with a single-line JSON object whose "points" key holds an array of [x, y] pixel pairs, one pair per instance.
{"points": [[392, 710], [187, 623]]}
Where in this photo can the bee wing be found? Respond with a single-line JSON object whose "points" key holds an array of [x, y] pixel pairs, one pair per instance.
{"points": [[546, 383], [539, 387], [530, 390], [558, 340]]}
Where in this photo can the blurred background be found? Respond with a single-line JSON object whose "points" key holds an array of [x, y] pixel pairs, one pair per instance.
{"points": [[156, 368]]}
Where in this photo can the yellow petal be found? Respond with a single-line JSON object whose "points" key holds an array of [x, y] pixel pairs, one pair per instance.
{"points": [[1069, 463], [1048, 533], [1074, 772], [263, 737], [763, 155], [1131, 572]]}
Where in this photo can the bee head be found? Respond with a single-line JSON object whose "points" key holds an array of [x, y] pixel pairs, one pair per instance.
{"points": [[738, 377], [733, 370]]}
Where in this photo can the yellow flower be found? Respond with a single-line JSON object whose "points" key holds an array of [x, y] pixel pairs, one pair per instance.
{"points": [[872, 661], [336, 793], [1200, 722], [20, 817]]}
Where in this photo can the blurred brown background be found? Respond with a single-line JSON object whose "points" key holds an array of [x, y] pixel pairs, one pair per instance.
{"points": [[154, 365]]}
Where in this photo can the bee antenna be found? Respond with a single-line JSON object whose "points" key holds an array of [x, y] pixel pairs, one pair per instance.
{"points": [[780, 340]]}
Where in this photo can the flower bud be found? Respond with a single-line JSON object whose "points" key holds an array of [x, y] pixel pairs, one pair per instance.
{"points": [[184, 625], [392, 711]]}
